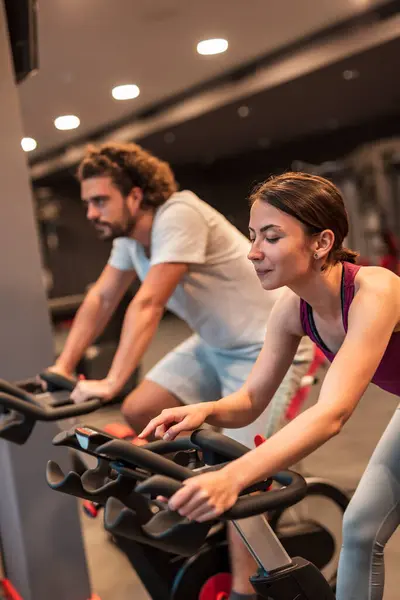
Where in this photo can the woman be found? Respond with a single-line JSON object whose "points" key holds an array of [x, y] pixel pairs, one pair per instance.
{"points": [[297, 226]]}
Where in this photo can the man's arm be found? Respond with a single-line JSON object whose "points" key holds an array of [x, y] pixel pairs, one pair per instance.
{"points": [[142, 319], [140, 324], [93, 315]]}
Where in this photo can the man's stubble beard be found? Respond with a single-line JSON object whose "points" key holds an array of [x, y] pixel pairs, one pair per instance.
{"points": [[118, 230]]}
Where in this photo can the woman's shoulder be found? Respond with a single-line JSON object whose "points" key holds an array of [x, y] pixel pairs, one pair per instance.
{"points": [[377, 279], [376, 287], [377, 297]]}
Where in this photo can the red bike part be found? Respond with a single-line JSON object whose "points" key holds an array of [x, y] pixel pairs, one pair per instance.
{"points": [[12, 594], [120, 430], [217, 587], [124, 432], [9, 590], [258, 440], [90, 509], [300, 397]]}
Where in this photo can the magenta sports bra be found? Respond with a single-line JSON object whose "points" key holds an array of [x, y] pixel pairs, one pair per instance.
{"points": [[387, 375]]}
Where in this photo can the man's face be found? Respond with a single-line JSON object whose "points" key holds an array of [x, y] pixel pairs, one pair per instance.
{"points": [[107, 209]]}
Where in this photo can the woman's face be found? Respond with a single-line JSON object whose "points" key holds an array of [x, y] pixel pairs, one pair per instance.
{"points": [[281, 253]]}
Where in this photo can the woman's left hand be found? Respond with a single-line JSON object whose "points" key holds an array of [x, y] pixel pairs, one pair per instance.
{"points": [[205, 497]]}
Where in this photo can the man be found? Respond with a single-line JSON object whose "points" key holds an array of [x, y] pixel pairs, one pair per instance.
{"points": [[191, 260]]}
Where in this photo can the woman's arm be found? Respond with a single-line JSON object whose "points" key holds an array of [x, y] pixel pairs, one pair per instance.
{"points": [[373, 316]]}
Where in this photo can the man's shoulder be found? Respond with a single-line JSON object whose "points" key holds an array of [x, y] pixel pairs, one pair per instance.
{"points": [[179, 200], [182, 208]]}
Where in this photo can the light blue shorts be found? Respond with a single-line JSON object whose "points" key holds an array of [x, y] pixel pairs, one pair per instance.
{"points": [[196, 372]]}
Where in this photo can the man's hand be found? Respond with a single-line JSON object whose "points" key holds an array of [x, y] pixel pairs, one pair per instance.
{"points": [[86, 390], [59, 370]]}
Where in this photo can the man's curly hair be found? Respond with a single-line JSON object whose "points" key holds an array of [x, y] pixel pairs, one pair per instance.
{"points": [[129, 165]]}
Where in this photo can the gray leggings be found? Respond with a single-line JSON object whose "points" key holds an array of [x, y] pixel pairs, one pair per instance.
{"points": [[370, 520]]}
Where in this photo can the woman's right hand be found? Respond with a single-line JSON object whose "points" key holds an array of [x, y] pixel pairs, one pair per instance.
{"points": [[187, 418]]}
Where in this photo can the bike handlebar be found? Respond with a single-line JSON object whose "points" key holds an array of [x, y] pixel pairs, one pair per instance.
{"points": [[22, 409], [168, 475]]}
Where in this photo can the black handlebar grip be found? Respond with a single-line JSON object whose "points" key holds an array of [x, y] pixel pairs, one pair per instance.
{"points": [[56, 382], [245, 506], [17, 392], [36, 411], [211, 440], [138, 456], [159, 485]]}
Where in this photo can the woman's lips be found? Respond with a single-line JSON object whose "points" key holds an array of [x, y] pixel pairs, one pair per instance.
{"points": [[261, 272]]}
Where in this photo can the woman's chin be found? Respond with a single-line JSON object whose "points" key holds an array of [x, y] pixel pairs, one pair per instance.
{"points": [[270, 284]]}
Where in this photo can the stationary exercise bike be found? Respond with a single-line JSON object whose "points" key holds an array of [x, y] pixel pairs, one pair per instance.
{"points": [[311, 529], [301, 533], [129, 479]]}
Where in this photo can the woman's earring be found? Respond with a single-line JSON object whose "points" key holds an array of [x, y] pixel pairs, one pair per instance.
{"points": [[316, 256]]}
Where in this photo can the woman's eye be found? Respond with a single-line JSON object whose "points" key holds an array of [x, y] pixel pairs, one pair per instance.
{"points": [[273, 240]]}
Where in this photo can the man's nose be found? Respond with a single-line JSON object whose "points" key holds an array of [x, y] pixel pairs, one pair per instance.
{"points": [[93, 212]]}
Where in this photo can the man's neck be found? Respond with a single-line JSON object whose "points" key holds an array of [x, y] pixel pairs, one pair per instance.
{"points": [[142, 230]]}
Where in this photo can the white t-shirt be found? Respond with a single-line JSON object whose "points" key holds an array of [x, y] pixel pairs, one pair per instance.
{"points": [[220, 296]]}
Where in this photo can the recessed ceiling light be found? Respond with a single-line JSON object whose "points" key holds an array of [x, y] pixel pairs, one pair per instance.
{"points": [[350, 74], [243, 111], [214, 46], [66, 122], [28, 144], [125, 92]]}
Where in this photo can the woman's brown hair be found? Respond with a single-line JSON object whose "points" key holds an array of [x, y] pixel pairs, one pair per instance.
{"points": [[314, 201]]}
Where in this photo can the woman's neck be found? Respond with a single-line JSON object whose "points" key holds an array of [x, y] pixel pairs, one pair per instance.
{"points": [[322, 291]]}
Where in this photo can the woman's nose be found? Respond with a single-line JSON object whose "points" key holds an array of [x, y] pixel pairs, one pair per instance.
{"points": [[255, 253]]}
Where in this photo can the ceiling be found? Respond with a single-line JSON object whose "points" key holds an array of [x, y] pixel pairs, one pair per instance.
{"points": [[315, 103], [87, 47]]}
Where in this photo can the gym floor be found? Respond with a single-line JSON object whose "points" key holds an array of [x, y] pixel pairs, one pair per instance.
{"points": [[342, 460]]}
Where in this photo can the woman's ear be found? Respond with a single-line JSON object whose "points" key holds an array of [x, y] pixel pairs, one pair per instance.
{"points": [[324, 243]]}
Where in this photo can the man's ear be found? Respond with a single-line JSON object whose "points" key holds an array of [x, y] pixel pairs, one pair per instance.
{"points": [[135, 198]]}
